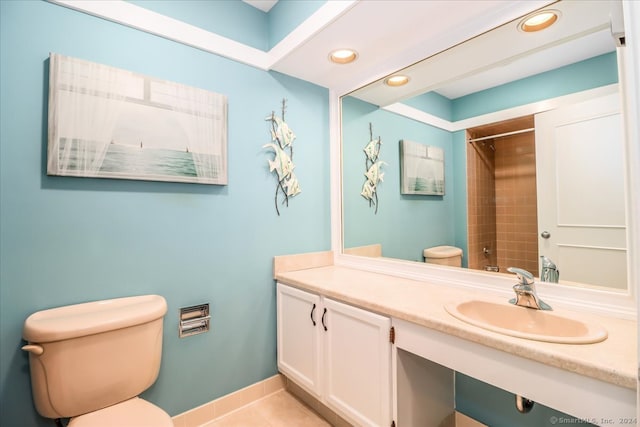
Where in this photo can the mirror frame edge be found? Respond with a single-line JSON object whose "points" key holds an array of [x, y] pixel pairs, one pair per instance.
{"points": [[599, 301], [630, 83]]}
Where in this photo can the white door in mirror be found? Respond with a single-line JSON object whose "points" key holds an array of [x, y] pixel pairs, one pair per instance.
{"points": [[580, 184]]}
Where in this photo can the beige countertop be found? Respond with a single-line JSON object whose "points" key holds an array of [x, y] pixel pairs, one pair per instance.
{"points": [[422, 303]]}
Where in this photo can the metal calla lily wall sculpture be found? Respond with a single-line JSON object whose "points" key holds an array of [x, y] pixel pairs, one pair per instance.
{"points": [[282, 145], [373, 166]]}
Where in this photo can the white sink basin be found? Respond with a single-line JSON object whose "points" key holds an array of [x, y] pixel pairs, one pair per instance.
{"points": [[522, 322]]}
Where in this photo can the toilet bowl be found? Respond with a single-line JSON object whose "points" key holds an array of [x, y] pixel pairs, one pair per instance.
{"points": [[89, 362], [443, 255], [133, 412]]}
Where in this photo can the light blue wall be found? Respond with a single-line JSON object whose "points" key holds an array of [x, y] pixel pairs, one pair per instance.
{"points": [[404, 224], [67, 240], [432, 103], [238, 20], [584, 75], [459, 217], [233, 19], [286, 15]]}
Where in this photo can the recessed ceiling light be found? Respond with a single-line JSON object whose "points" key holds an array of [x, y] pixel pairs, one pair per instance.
{"points": [[397, 80], [539, 21], [343, 56]]}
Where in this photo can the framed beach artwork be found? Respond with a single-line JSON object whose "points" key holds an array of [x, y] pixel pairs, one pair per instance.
{"points": [[421, 169], [106, 122]]}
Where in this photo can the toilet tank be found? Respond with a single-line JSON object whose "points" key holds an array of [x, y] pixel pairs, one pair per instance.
{"points": [[95, 354], [443, 255]]}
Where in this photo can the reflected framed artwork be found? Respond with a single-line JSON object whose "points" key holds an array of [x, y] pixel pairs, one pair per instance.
{"points": [[105, 122], [421, 169]]}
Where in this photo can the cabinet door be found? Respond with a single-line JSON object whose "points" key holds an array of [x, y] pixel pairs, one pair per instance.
{"points": [[358, 363], [299, 337]]}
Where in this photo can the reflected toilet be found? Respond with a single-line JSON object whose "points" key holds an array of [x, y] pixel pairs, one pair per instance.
{"points": [[443, 255]]}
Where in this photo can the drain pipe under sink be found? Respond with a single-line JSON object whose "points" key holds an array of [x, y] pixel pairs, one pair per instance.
{"points": [[524, 405]]}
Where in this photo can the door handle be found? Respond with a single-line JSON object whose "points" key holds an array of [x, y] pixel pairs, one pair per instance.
{"points": [[324, 313], [545, 234], [311, 315]]}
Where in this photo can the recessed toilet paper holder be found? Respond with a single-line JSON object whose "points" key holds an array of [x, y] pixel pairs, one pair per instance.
{"points": [[194, 320]]}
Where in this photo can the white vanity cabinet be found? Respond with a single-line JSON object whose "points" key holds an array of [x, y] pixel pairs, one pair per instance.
{"points": [[339, 353], [299, 348]]}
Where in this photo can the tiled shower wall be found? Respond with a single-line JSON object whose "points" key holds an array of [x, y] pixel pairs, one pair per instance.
{"points": [[502, 203], [516, 204], [481, 205]]}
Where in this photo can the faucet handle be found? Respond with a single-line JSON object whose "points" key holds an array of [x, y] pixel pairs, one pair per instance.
{"points": [[524, 277]]}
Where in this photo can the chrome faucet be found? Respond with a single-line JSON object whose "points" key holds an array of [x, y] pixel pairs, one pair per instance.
{"points": [[550, 272], [525, 289]]}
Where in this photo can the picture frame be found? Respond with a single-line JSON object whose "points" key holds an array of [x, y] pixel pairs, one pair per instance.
{"points": [[105, 122], [421, 169]]}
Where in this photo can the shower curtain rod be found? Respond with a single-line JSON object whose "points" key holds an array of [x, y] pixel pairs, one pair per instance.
{"points": [[515, 132]]}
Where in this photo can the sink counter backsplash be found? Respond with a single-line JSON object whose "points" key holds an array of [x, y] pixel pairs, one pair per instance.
{"points": [[612, 360]]}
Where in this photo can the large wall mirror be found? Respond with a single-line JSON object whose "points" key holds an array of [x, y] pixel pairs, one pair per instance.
{"points": [[523, 132]]}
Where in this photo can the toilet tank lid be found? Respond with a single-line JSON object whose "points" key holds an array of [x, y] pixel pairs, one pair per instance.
{"points": [[442, 252], [91, 318]]}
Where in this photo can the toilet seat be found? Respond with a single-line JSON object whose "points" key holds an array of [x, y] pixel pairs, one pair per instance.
{"points": [[134, 412]]}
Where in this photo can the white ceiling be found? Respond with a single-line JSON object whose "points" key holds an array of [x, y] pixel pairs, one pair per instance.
{"points": [[390, 34]]}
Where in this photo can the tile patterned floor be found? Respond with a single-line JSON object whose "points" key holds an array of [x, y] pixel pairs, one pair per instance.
{"points": [[280, 409]]}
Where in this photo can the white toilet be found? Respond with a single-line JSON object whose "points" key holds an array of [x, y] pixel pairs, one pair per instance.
{"points": [[443, 255], [89, 362]]}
